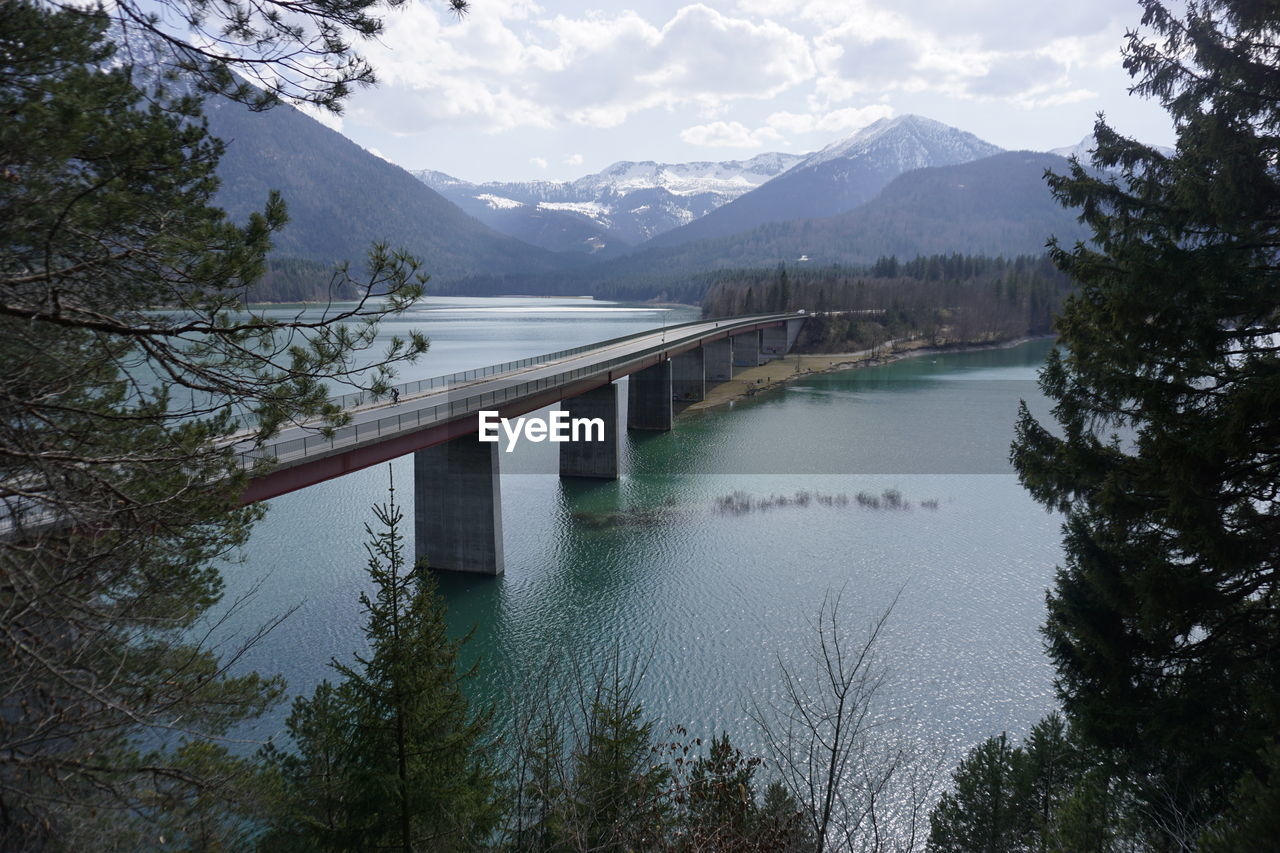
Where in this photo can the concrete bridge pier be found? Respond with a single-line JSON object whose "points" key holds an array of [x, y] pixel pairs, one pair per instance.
{"points": [[597, 459], [457, 509], [649, 398], [746, 349], [718, 359], [688, 376], [773, 342], [793, 331]]}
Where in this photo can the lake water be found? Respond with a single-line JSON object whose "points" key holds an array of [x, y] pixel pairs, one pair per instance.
{"points": [[656, 566]]}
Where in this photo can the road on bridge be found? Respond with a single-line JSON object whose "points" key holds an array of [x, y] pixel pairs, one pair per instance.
{"points": [[377, 432]]}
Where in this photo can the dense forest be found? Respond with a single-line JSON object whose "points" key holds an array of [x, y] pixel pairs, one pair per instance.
{"points": [[943, 299], [295, 280], [340, 199], [998, 206]]}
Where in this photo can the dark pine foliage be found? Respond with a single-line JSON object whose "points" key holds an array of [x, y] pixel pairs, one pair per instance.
{"points": [[946, 299], [1163, 622]]}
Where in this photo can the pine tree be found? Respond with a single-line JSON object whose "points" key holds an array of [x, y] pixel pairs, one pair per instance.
{"points": [[118, 487], [539, 801], [619, 797], [1050, 768], [255, 52], [722, 810], [781, 825], [1163, 621], [392, 757], [984, 813], [313, 801], [1252, 820]]}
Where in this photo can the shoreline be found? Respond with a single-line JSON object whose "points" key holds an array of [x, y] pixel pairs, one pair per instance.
{"points": [[780, 371]]}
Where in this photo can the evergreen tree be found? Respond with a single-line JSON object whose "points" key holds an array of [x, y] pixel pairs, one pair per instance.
{"points": [[392, 757], [119, 488], [722, 808], [1050, 768], [1252, 820], [781, 825], [539, 801], [1163, 622], [984, 813], [619, 799], [314, 797]]}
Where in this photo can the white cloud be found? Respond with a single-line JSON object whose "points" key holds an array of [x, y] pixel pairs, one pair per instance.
{"points": [[1038, 100], [920, 48], [501, 70], [1011, 74], [540, 162], [716, 67], [728, 134], [780, 125], [832, 121], [328, 119], [574, 160]]}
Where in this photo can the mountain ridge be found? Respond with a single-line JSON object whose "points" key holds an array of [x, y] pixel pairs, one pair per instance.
{"points": [[839, 177], [997, 205], [609, 211], [341, 198]]}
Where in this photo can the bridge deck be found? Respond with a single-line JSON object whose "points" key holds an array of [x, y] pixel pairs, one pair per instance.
{"points": [[301, 456]]}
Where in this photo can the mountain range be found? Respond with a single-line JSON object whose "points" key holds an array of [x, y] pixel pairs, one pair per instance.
{"points": [[996, 205], [608, 212], [901, 186], [341, 198], [839, 177]]}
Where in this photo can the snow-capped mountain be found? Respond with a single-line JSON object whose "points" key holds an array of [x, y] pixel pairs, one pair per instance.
{"points": [[907, 142], [664, 204], [1083, 150], [730, 178], [840, 177], [609, 211]]}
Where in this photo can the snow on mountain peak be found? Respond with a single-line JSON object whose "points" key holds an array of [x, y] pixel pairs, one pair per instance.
{"points": [[910, 138], [1082, 149], [732, 177], [632, 201], [497, 202]]}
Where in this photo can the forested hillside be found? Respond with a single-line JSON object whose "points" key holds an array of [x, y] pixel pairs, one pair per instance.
{"points": [[997, 206], [341, 198], [945, 299], [295, 280]]}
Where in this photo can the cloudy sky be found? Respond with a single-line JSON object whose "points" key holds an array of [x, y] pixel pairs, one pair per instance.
{"points": [[518, 90]]}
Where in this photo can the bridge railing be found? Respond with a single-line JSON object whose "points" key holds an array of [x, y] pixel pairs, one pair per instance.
{"points": [[462, 377], [353, 434]]}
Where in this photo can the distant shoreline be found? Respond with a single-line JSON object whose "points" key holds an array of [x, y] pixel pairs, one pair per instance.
{"points": [[781, 371], [429, 297]]}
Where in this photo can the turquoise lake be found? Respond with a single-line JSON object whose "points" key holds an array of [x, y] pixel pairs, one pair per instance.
{"points": [[665, 565]]}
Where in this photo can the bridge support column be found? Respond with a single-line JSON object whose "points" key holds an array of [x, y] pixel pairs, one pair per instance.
{"points": [[773, 342], [598, 459], [458, 506], [718, 359], [688, 376], [746, 349], [793, 331], [649, 398]]}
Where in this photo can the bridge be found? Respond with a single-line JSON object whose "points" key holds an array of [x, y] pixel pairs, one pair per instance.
{"points": [[457, 495]]}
